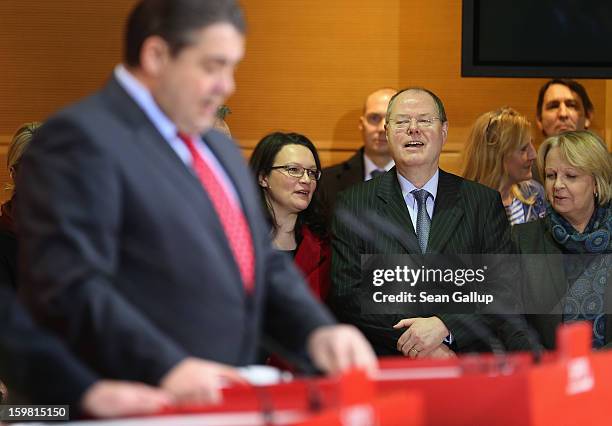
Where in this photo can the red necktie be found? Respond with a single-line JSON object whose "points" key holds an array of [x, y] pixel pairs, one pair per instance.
{"points": [[230, 214]]}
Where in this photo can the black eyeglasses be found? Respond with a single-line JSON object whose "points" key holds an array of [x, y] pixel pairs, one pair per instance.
{"points": [[298, 171], [405, 122]]}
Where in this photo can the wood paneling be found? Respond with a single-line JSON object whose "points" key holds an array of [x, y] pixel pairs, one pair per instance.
{"points": [[54, 52], [309, 64]]}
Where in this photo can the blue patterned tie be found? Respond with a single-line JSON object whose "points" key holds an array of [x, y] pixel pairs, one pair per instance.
{"points": [[423, 220]]}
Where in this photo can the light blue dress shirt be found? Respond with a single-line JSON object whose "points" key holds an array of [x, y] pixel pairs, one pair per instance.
{"points": [[430, 186]]}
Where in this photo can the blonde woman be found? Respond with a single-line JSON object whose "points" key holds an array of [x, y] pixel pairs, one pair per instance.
{"points": [[500, 155], [8, 243], [569, 280]]}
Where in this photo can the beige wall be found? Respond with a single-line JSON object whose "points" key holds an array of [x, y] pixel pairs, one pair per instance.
{"points": [[54, 52], [308, 66]]}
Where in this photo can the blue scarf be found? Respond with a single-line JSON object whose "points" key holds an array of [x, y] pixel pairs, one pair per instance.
{"points": [[586, 275], [596, 237]]}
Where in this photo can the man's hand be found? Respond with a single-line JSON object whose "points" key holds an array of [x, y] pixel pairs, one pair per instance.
{"points": [[197, 381], [441, 352], [338, 348], [422, 337], [111, 398]]}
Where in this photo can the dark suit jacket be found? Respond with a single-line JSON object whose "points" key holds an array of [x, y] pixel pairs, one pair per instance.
{"points": [[124, 255], [36, 367], [544, 283], [341, 176], [8, 245], [468, 218], [8, 258]]}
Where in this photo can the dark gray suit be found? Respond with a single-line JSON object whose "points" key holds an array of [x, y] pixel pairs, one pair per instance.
{"points": [[124, 255], [468, 218], [36, 367]]}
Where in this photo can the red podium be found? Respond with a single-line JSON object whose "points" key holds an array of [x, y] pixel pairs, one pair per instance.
{"points": [[350, 399], [571, 386]]}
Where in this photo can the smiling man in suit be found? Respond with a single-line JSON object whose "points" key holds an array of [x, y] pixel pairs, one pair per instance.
{"points": [[434, 212], [142, 239]]}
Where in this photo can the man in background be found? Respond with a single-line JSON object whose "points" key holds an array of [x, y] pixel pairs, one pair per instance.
{"points": [[563, 105], [373, 158]]}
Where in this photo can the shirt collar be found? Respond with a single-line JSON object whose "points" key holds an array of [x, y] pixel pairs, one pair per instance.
{"points": [[143, 97], [369, 166], [431, 185]]}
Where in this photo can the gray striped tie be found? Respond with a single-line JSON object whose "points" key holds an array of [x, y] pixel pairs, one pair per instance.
{"points": [[423, 220]]}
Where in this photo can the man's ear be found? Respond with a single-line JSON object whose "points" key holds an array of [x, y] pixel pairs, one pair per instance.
{"points": [[587, 121], [360, 125], [444, 131], [154, 55]]}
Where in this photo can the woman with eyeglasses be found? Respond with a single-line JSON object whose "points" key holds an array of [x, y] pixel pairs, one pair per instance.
{"points": [[287, 168], [500, 155]]}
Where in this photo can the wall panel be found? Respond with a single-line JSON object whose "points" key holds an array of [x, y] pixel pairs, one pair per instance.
{"points": [[308, 66], [54, 52]]}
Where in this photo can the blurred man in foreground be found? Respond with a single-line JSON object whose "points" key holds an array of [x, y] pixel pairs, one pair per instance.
{"points": [[143, 241]]}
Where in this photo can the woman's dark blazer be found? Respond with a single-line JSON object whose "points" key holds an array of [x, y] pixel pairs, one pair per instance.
{"points": [[544, 283]]}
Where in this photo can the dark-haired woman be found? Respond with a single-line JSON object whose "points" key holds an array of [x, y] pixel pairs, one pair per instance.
{"points": [[287, 168]]}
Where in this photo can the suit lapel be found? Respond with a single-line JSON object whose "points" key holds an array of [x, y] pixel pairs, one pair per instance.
{"points": [[170, 166], [154, 145], [162, 154], [393, 207], [447, 212], [354, 168], [237, 171]]}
